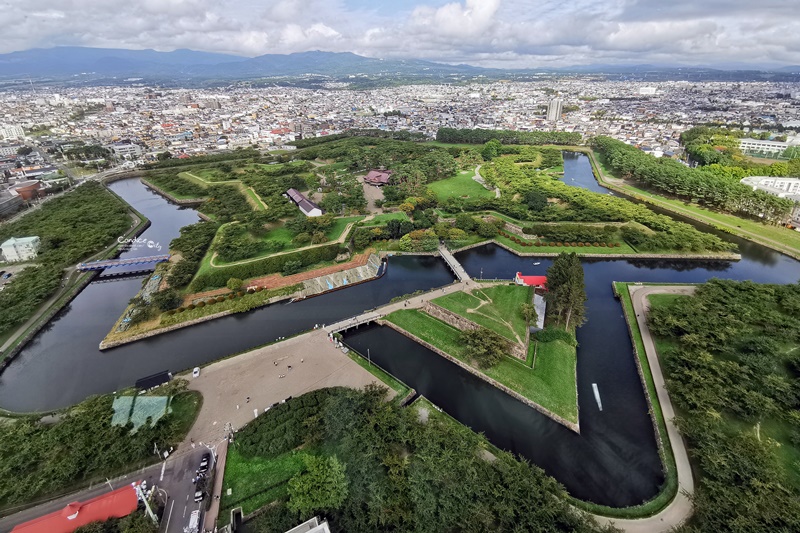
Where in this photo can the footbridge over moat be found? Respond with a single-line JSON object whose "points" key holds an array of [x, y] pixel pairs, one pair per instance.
{"points": [[131, 261], [453, 263]]}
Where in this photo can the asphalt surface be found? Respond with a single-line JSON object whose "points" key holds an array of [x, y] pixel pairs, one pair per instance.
{"points": [[177, 483]]}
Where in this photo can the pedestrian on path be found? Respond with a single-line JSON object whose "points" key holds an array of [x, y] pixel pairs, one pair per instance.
{"points": [[248, 399]]}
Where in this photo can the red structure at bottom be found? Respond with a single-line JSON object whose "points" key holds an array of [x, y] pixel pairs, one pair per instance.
{"points": [[115, 504]]}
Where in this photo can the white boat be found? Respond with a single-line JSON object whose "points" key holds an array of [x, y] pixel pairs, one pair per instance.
{"points": [[537, 263]]}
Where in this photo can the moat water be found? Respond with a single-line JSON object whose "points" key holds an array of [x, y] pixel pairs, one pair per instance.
{"points": [[614, 460]]}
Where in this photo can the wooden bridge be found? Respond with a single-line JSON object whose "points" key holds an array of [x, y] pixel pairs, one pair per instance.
{"points": [[131, 261]]}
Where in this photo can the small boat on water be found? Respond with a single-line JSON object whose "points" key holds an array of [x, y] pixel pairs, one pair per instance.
{"points": [[537, 263]]}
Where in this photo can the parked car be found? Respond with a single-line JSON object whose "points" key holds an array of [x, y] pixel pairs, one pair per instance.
{"points": [[7, 275], [204, 463], [198, 496], [196, 372]]}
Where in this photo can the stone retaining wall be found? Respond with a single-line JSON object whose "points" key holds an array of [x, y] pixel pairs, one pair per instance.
{"points": [[517, 396], [462, 324]]}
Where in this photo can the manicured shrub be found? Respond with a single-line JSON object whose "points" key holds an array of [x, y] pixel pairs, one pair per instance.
{"points": [[171, 312], [201, 304], [251, 291], [580, 245], [558, 244], [595, 244], [190, 307], [259, 288], [231, 296], [240, 293], [180, 310], [602, 245], [551, 243], [220, 299]]}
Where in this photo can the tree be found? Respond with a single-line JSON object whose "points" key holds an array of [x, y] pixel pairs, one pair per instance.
{"points": [[484, 346], [234, 284], [491, 149], [163, 156], [323, 486], [566, 291], [167, 299], [24, 150], [528, 312]]}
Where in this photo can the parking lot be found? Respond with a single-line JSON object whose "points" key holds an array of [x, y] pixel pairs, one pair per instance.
{"points": [[12, 269]]}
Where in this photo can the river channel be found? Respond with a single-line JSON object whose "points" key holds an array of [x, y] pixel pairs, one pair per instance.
{"points": [[614, 460]]}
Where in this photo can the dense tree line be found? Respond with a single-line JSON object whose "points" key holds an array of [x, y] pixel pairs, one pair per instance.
{"points": [[572, 232], [708, 188], [138, 522], [226, 203], [400, 135], [733, 367], [248, 153], [218, 277], [38, 458], [576, 204], [71, 227], [405, 475], [566, 291], [468, 136], [192, 245], [174, 184]]}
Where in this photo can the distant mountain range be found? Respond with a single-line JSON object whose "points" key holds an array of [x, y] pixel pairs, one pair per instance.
{"points": [[71, 61]]}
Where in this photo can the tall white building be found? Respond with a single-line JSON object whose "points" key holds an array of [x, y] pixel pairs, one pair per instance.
{"points": [[23, 249], [554, 109], [12, 132]]}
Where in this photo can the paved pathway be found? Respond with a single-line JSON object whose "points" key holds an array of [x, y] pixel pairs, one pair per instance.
{"points": [[680, 509]]}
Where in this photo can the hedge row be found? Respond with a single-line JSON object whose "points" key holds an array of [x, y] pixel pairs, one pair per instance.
{"points": [[282, 428], [217, 277], [212, 301], [521, 242]]}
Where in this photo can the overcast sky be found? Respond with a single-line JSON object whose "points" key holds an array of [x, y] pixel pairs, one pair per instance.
{"points": [[498, 33]]}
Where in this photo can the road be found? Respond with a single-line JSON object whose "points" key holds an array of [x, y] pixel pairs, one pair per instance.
{"points": [[179, 470], [680, 508]]}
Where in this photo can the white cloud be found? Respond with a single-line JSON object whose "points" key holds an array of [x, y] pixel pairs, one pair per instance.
{"points": [[489, 32]]}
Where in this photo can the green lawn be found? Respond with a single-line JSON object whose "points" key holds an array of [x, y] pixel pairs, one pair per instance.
{"points": [[461, 186], [255, 482], [550, 384], [390, 381], [253, 199], [184, 408], [495, 308], [382, 219]]}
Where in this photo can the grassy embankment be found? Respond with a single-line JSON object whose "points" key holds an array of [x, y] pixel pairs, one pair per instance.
{"points": [[670, 486], [256, 481], [495, 308], [551, 383], [775, 237]]}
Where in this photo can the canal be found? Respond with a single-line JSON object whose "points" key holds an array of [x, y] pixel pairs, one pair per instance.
{"points": [[613, 461]]}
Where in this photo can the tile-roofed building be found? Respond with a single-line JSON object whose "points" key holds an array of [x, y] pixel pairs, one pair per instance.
{"points": [[378, 177], [309, 208]]}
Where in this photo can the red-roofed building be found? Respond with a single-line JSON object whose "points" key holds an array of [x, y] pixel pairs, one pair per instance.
{"points": [[378, 177], [115, 504], [538, 282]]}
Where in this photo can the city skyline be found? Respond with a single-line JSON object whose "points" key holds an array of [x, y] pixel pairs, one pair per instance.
{"points": [[489, 33]]}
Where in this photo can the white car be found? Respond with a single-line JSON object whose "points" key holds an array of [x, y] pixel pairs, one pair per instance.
{"points": [[196, 372]]}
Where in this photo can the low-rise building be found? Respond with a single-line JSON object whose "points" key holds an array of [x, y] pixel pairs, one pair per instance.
{"points": [[23, 249], [378, 177], [309, 208]]}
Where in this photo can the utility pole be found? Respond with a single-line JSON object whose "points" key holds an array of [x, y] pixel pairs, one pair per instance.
{"points": [[146, 503], [369, 358]]}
